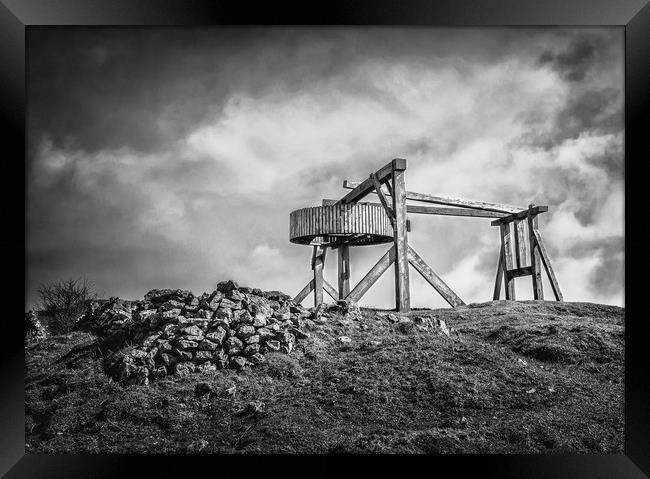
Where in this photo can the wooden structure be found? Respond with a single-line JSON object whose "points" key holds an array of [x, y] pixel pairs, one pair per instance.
{"points": [[523, 264], [339, 224]]}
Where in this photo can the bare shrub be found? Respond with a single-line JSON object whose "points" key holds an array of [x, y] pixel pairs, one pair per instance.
{"points": [[65, 302]]}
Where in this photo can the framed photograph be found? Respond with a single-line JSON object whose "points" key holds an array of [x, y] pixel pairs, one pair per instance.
{"points": [[367, 229]]}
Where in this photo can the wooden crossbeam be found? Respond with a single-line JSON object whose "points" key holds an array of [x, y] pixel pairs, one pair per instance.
{"points": [[447, 211], [442, 210], [547, 264], [520, 215], [329, 289], [372, 276], [434, 280], [366, 186], [444, 200], [300, 297], [517, 272]]}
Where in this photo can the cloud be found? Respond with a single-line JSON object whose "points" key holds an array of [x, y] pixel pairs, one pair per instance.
{"points": [[181, 169]]}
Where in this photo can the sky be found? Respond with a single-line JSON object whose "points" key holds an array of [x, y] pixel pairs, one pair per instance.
{"points": [[172, 157]]}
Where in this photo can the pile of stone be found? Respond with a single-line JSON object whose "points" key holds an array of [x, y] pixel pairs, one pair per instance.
{"points": [[34, 329], [176, 332]]}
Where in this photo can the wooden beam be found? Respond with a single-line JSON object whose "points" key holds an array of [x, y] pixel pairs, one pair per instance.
{"points": [[519, 215], [344, 270], [535, 264], [365, 187], [547, 264], [506, 246], [517, 272], [445, 200], [319, 260], [434, 280], [447, 211], [499, 278], [402, 292], [520, 243], [372, 276], [329, 289], [300, 297], [382, 199]]}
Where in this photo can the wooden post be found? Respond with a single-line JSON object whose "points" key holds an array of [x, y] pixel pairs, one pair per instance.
{"points": [[520, 243], [402, 295], [318, 274], [506, 247], [535, 264], [344, 270], [547, 264], [499, 278]]}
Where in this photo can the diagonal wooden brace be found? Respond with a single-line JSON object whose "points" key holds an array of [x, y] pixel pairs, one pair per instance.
{"points": [[433, 279], [382, 199], [373, 275]]}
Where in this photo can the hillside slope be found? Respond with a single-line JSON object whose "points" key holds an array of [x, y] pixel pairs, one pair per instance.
{"points": [[509, 377]]}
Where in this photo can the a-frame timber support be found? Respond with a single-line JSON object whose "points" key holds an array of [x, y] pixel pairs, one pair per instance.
{"points": [[528, 248], [341, 226]]}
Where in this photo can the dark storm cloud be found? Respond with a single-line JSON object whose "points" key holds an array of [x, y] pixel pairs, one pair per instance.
{"points": [[171, 157], [574, 62], [142, 88], [596, 110]]}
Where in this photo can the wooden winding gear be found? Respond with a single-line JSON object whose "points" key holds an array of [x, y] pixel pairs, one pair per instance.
{"points": [[340, 224]]}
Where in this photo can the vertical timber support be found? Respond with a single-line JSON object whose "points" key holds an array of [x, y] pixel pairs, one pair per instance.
{"points": [[402, 294], [520, 243], [535, 263], [319, 260], [506, 248], [344, 270], [499, 278]]}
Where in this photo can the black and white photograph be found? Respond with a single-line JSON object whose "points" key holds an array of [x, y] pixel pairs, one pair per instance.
{"points": [[325, 239]]}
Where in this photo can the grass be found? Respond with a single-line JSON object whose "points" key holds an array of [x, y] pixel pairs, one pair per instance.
{"points": [[513, 377]]}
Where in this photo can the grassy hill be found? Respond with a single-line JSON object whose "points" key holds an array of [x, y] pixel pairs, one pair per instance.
{"points": [[509, 377]]}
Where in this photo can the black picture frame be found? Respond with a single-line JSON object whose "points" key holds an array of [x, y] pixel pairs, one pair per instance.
{"points": [[634, 15]]}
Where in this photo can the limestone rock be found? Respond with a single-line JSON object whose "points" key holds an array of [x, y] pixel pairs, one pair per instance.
{"points": [[226, 286], [245, 331]]}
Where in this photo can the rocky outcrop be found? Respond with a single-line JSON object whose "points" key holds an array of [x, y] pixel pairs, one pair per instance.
{"points": [[176, 332]]}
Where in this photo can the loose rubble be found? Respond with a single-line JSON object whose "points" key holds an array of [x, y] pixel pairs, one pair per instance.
{"points": [[175, 332]]}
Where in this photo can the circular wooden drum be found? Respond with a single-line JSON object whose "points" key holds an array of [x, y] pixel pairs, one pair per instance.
{"points": [[355, 224]]}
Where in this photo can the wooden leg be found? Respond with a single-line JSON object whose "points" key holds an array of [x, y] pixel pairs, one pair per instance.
{"points": [[506, 247], [434, 280], [535, 265], [344, 270], [547, 264], [318, 275], [499, 278], [402, 294]]}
